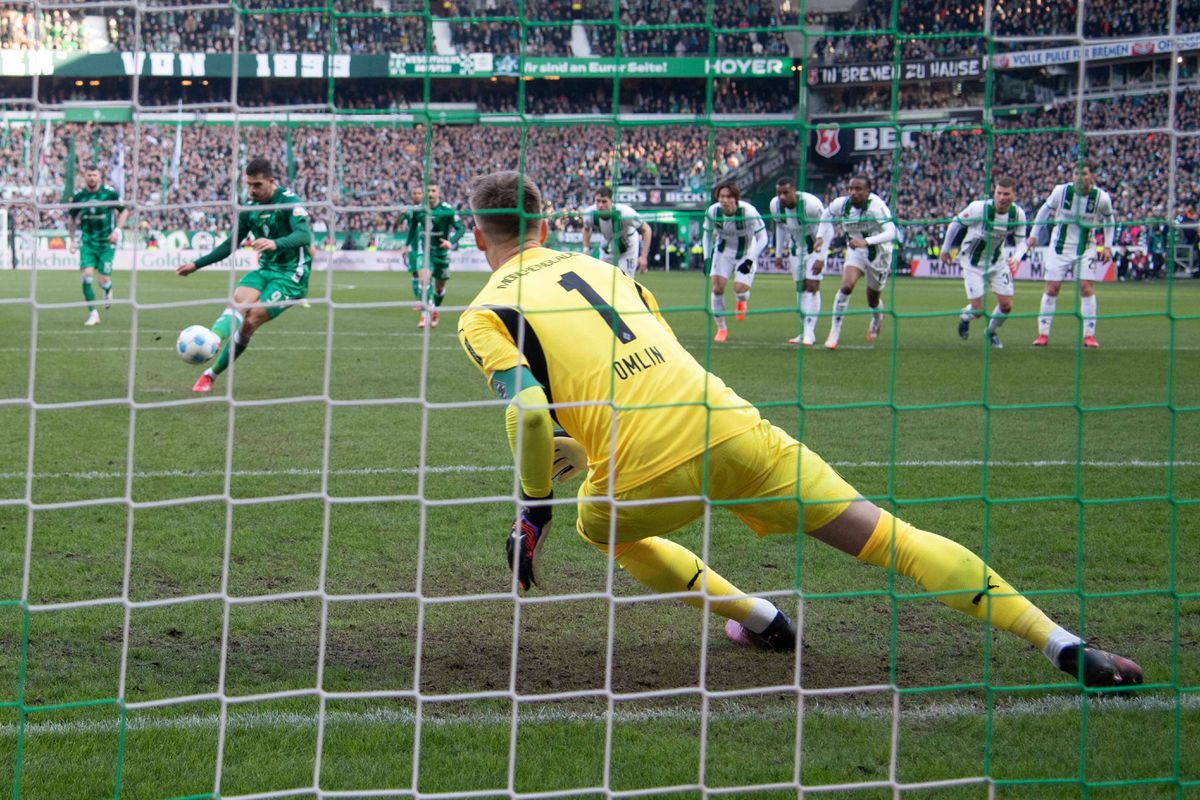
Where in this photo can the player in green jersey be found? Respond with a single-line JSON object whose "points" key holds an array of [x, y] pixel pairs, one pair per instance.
{"points": [[280, 234], [432, 250], [99, 204], [409, 254]]}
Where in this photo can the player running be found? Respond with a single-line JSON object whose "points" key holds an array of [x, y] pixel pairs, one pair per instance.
{"points": [[1078, 209], [734, 235], [560, 333], [870, 230], [980, 232], [797, 217], [620, 224], [100, 236], [280, 235], [432, 231]]}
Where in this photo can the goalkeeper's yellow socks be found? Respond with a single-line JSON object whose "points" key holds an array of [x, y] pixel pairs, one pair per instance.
{"points": [[88, 294], [941, 565], [667, 567], [229, 321]]}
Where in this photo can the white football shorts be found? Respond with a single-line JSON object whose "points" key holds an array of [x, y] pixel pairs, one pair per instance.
{"points": [[724, 265], [1059, 265], [876, 269], [998, 276]]}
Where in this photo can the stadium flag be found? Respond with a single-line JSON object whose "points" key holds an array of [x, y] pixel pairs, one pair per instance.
{"points": [[69, 171], [116, 166], [177, 152], [291, 158], [43, 160]]}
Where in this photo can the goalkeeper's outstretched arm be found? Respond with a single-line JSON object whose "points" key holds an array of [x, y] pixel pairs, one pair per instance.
{"points": [[530, 429]]}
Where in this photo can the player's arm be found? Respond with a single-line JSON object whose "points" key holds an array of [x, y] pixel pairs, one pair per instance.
{"points": [[118, 229], [529, 428], [889, 233], [757, 245], [1108, 222], [814, 212], [825, 235], [1043, 216], [956, 231], [457, 229], [708, 235], [218, 253], [1021, 234], [300, 235], [644, 254]]}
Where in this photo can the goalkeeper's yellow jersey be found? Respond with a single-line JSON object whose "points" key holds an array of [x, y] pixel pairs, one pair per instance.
{"points": [[616, 378]]}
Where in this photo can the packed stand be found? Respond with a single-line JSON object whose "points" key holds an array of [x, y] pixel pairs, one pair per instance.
{"points": [[940, 175], [21, 28], [570, 161]]}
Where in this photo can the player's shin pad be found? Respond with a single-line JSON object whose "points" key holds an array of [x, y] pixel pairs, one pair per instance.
{"points": [[941, 565]]}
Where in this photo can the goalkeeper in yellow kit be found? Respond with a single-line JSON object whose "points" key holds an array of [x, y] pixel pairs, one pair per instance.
{"points": [[573, 341]]}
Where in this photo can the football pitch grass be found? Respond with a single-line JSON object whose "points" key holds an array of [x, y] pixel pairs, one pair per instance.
{"points": [[1076, 472]]}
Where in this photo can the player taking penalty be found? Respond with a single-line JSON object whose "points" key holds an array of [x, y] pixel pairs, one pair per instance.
{"points": [[277, 224], [564, 340]]}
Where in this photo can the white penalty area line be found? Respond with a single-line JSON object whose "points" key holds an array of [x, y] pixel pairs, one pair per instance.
{"points": [[782, 711], [470, 468]]}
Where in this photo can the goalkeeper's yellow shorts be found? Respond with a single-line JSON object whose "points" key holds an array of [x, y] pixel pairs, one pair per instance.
{"points": [[765, 477]]}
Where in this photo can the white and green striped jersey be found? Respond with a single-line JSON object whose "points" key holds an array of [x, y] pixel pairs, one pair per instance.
{"points": [[622, 224], [796, 228], [980, 231], [741, 233], [872, 222], [1075, 216]]}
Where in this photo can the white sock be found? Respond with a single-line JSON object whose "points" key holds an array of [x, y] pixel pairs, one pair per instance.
{"points": [[998, 319], [743, 297], [810, 304], [1048, 305], [1088, 306], [841, 303], [877, 313], [105, 285], [209, 372], [718, 307], [969, 313], [1060, 639], [762, 614], [238, 319]]}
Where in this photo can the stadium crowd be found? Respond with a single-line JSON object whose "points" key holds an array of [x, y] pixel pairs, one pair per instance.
{"points": [[935, 177], [940, 174], [572, 161], [288, 26]]}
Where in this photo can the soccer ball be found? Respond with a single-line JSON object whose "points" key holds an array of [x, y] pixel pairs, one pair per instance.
{"points": [[197, 344]]}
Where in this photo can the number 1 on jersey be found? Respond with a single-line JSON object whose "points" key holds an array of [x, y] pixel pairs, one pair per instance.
{"points": [[571, 282]]}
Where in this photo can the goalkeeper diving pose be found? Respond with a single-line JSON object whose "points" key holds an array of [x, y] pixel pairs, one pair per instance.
{"points": [[280, 234], [564, 341], [734, 235]]}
